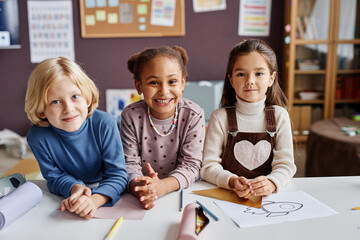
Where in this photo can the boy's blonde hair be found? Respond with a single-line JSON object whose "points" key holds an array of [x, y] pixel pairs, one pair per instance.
{"points": [[49, 72]]}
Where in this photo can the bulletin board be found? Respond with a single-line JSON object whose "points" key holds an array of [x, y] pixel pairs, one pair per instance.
{"points": [[132, 18]]}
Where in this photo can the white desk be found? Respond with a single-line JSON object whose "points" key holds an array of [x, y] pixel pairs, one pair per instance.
{"points": [[163, 221]]}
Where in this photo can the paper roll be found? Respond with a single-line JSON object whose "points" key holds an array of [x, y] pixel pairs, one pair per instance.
{"points": [[18, 203]]}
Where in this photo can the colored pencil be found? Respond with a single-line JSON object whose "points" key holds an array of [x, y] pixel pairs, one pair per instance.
{"points": [[113, 229], [181, 199], [208, 211]]}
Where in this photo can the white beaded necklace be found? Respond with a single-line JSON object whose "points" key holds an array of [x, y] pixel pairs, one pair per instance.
{"points": [[173, 125]]}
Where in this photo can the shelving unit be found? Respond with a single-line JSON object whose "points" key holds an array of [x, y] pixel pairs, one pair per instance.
{"points": [[322, 60]]}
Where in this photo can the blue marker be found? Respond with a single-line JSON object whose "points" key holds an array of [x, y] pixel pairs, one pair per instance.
{"points": [[208, 211]]}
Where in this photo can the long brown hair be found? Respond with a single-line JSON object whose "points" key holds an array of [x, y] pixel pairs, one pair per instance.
{"points": [[274, 94]]}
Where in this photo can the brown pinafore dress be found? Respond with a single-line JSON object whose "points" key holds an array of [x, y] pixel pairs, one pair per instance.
{"points": [[249, 154]]}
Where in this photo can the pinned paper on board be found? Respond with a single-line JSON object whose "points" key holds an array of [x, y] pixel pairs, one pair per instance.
{"points": [[100, 15], [90, 20], [126, 13], [163, 12], [112, 18], [113, 3], [142, 9], [230, 196]]}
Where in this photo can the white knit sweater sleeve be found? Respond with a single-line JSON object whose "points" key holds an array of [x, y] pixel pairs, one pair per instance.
{"points": [[215, 140], [283, 165]]}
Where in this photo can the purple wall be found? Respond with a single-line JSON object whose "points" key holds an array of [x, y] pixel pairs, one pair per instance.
{"points": [[208, 40]]}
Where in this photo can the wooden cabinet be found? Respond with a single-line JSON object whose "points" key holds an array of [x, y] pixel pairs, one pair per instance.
{"points": [[321, 72]]}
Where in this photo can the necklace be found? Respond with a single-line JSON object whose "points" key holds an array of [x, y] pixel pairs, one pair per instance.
{"points": [[172, 125]]}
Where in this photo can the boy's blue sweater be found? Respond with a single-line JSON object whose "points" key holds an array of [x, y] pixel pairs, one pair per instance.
{"points": [[92, 154]]}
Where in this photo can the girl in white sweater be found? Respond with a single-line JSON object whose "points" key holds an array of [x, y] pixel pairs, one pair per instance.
{"points": [[248, 144]]}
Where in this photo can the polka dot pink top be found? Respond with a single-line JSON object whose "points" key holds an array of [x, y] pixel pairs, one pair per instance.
{"points": [[178, 155]]}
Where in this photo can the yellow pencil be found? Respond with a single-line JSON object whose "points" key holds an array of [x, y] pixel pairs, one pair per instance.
{"points": [[355, 208], [113, 229]]}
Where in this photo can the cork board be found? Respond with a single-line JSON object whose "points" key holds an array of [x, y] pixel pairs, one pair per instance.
{"points": [[132, 18]]}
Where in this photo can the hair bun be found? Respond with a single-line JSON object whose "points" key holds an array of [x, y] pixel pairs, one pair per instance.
{"points": [[132, 62], [183, 53]]}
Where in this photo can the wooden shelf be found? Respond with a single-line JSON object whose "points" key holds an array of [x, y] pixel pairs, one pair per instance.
{"points": [[310, 72], [349, 41], [348, 71], [298, 14], [300, 138], [313, 41], [303, 101], [352, 101]]}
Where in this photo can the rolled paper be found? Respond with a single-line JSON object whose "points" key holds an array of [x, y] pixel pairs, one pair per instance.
{"points": [[19, 202]]}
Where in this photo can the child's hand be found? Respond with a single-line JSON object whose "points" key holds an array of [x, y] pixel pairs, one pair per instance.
{"points": [[84, 207], [147, 188], [155, 182], [140, 188], [262, 186], [241, 186], [76, 192]]}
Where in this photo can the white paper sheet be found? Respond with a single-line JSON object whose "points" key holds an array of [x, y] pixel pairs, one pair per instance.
{"points": [[19, 202], [276, 208]]}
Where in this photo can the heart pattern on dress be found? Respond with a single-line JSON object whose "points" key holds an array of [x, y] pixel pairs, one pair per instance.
{"points": [[252, 156]]}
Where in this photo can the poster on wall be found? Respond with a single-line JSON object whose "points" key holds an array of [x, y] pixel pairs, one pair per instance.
{"points": [[208, 5], [254, 17], [51, 31], [118, 99]]}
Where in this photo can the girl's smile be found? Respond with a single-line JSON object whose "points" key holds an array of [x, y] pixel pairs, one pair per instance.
{"points": [[163, 102]]}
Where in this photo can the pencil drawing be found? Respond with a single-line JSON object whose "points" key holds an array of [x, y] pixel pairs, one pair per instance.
{"points": [[275, 209]]}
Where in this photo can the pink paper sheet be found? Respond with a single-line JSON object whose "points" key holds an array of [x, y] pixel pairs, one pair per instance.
{"points": [[128, 207]]}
